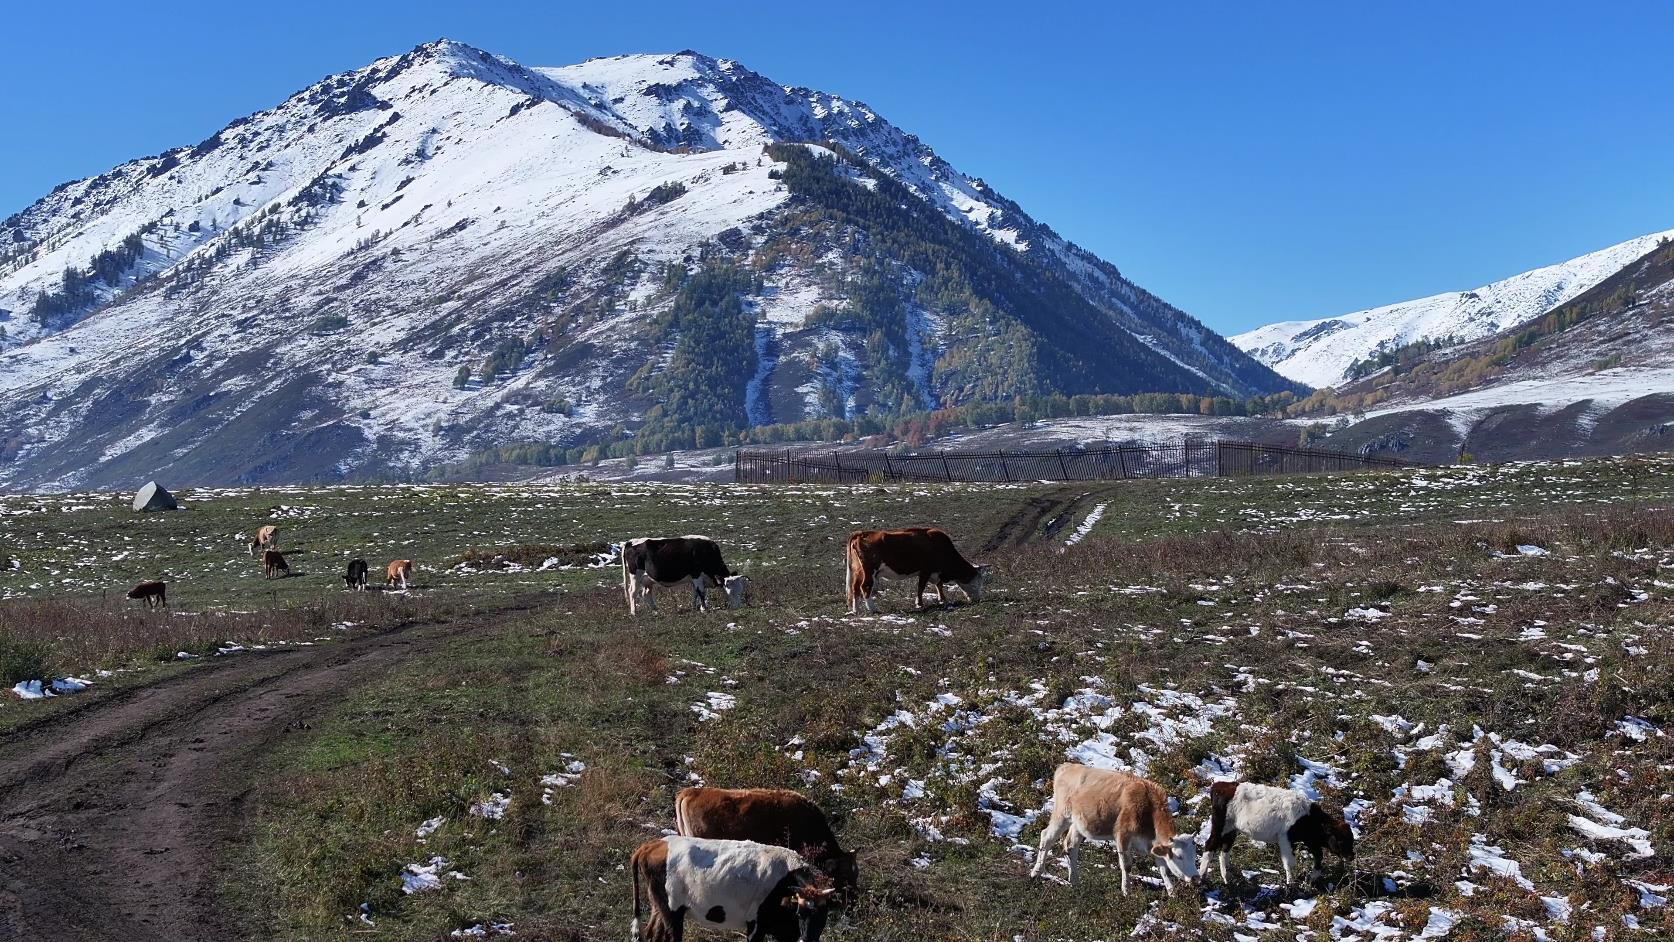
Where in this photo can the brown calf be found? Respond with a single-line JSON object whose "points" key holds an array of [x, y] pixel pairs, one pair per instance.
{"points": [[925, 552], [266, 538], [399, 571], [155, 594], [767, 816], [1103, 804], [274, 564]]}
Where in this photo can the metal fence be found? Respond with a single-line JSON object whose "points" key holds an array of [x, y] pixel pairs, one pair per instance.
{"points": [[1182, 459]]}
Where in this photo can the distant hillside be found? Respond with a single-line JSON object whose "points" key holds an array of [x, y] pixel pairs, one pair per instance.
{"points": [[1333, 351]]}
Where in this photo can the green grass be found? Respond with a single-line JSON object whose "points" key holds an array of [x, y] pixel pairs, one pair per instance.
{"points": [[1202, 626]]}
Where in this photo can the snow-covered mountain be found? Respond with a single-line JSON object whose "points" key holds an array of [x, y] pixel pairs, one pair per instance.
{"points": [[446, 252], [1320, 352]]}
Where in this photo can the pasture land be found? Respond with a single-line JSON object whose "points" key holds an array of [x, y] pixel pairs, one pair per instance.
{"points": [[1476, 662]]}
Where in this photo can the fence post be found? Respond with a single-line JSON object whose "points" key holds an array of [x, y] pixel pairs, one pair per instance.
{"points": [[1062, 466], [1003, 469], [947, 469], [1122, 459], [889, 472]]}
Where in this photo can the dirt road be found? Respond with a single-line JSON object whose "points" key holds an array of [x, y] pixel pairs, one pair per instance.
{"points": [[113, 816]]}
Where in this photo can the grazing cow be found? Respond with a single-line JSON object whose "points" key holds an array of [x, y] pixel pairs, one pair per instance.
{"points": [[266, 538], [355, 578], [767, 816], [925, 552], [1271, 815], [741, 886], [273, 563], [399, 571], [1100, 804], [155, 594], [649, 562]]}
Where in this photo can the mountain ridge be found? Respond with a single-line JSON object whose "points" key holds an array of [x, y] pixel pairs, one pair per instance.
{"points": [[1321, 351], [445, 251]]}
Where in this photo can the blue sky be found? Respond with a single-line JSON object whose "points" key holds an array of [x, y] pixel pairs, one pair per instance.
{"points": [[1249, 162]]}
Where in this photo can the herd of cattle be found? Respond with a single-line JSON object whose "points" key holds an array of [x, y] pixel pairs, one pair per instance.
{"points": [[766, 862]]}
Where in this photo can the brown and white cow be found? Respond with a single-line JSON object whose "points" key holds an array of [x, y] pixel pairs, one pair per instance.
{"points": [[155, 593], [1271, 815], [741, 886], [274, 564], [1106, 805], [266, 538], [925, 552], [400, 571], [767, 816]]}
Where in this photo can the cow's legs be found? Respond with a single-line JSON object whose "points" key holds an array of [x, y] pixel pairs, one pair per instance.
{"points": [[1072, 845], [1162, 871], [1056, 827], [918, 597], [1287, 857], [1222, 856], [1122, 861]]}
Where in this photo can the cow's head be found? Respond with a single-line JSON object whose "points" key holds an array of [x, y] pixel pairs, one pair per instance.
{"points": [[974, 586], [844, 868], [810, 904], [1339, 836], [734, 588], [1179, 856]]}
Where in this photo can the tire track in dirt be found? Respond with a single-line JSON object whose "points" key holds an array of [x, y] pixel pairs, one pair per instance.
{"points": [[114, 817], [1023, 527]]}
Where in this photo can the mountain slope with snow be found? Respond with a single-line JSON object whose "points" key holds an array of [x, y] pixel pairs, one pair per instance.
{"points": [[1320, 352], [446, 252]]}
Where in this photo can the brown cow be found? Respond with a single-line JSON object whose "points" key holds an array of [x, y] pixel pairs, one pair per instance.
{"points": [[399, 571], [273, 563], [155, 594], [925, 552], [266, 538], [1102, 804], [738, 886], [767, 816]]}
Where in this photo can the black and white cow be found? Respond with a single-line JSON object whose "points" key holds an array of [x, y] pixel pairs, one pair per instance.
{"points": [[1282, 817], [649, 562], [757, 889], [355, 577]]}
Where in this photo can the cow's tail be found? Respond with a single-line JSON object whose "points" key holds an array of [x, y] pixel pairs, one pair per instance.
{"points": [[680, 821], [848, 571], [633, 929]]}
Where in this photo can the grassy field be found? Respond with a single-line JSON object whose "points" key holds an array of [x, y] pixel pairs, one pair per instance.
{"points": [[1474, 662]]}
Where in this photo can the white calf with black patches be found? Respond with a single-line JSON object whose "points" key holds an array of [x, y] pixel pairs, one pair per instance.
{"points": [[1282, 817], [761, 890]]}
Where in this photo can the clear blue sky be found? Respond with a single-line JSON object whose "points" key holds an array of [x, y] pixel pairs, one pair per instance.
{"points": [[1249, 162]]}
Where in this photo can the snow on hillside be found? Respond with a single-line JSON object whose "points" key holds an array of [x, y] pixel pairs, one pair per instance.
{"points": [[1319, 352], [311, 291]]}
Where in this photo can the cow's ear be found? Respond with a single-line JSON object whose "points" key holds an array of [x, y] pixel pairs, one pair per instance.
{"points": [[1159, 850]]}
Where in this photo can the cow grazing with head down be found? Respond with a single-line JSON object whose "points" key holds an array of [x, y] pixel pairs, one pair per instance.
{"points": [[1101, 804], [355, 577], [266, 538], [768, 816], [741, 886], [924, 552], [649, 562], [155, 594], [400, 571], [274, 564], [1271, 815]]}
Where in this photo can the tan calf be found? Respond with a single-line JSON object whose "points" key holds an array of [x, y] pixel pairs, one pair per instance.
{"points": [[1105, 805], [266, 538], [399, 571]]}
